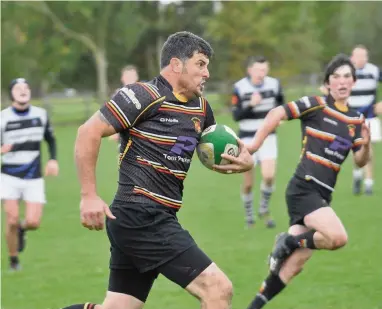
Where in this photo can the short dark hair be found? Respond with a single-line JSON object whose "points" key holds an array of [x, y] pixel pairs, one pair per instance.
{"points": [[360, 46], [183, 45], [129, 67], [338, 61], [255, 59]]}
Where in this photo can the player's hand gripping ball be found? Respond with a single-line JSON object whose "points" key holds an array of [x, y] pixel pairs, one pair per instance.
{"points": [[216, 140]]}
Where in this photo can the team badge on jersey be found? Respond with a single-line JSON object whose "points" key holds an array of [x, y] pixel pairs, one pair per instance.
{"points": [[196, 122], [351, 128]]}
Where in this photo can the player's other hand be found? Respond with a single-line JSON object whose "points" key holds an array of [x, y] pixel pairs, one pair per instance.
{"points": [[255, 99], [240, 164], [6, 148], [51, 168], [378, 108], [93, 210], [365, 133]]}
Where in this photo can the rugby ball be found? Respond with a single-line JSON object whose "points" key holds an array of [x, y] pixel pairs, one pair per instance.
{"points": [[216, 140]]}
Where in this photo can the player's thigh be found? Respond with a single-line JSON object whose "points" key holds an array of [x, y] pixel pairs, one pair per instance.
{"points": [[34, 191], [11, 210], [128, 288], [325, 221], [33, 214], [186, 267]]}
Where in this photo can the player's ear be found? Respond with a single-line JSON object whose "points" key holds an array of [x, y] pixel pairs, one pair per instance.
{"points": [[176, 65]]}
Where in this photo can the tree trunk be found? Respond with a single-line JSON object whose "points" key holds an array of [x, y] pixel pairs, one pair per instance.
{"points": [[101, 66]]}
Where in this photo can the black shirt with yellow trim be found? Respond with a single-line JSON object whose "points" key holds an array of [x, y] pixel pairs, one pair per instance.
{"points": [[329, 132], [159, 132]]}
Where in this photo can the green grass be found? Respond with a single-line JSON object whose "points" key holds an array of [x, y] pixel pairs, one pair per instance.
{"points": [[65, 263]]}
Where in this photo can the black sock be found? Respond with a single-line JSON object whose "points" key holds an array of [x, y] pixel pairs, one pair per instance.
{"points": [[269, 289], [14, 260], [306, 240], [81, 306]]}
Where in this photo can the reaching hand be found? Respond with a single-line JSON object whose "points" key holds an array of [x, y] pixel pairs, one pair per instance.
{"points": [[255, 99], [51, 168], [93, 211], [6, 148], [240, 164]]}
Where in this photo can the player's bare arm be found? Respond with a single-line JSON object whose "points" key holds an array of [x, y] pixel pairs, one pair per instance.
{"points": [[362, 157], [6, 148], [86, 153], [271, 122], [378, 108]]}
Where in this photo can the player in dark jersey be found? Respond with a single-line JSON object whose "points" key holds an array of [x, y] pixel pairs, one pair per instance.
{"points": [[23, 128], [160, 123], [330, 130]]}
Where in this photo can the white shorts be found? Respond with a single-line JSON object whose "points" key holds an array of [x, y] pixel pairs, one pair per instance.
{"points": [[375, 129], [29, 190], [267, 151]]}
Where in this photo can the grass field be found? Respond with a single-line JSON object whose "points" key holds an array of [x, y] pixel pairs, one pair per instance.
{"points": [[65, 263]]}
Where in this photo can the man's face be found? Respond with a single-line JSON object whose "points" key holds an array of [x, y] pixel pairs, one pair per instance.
{"points": [[359, 57], [341, 83], [21, 93], [194, 74], [258, 71], [129, 77]]}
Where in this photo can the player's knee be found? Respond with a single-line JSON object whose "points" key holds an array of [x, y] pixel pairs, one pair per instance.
{"points": [[268, 180], [338, 240], [32, 224], [247, 188], [218, 287], [12, 221]]}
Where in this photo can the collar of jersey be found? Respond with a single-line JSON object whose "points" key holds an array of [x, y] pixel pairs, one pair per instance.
{"points": [[340, 107], [20, 112]]}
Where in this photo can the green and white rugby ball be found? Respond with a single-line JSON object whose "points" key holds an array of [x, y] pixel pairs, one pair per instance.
{"points": [[216, 140]]}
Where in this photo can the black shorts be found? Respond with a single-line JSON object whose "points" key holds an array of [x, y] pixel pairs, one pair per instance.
{"points": [[146, 240], [303, 197]]}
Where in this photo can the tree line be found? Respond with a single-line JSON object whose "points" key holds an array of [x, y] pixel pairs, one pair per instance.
{"points": [[83, 45]]}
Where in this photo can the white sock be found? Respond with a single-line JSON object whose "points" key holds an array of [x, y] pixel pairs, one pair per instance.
{"points": [[368, 182], [358, 173]]}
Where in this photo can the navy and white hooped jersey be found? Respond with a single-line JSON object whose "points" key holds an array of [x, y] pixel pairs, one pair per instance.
{"points": [[248, 117], [364, 92], [25, 130]]}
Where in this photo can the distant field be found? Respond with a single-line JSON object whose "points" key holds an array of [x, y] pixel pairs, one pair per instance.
{"points": [[65, 264]]}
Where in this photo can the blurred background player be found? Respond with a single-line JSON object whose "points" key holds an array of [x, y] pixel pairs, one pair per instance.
{"points": [[254, 96], [363, 98], [23, 127], [129, 75]]}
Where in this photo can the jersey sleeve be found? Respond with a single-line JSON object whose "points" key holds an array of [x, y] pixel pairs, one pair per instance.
{"points": [[50, 139], [303, 108], [210, 118], [357, 139], [280, 98], [130, 105], [380, 75]]}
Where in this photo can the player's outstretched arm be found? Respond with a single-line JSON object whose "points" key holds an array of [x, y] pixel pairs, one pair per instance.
{"points": [[271, 122], [87, 146], [362, 156]]}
